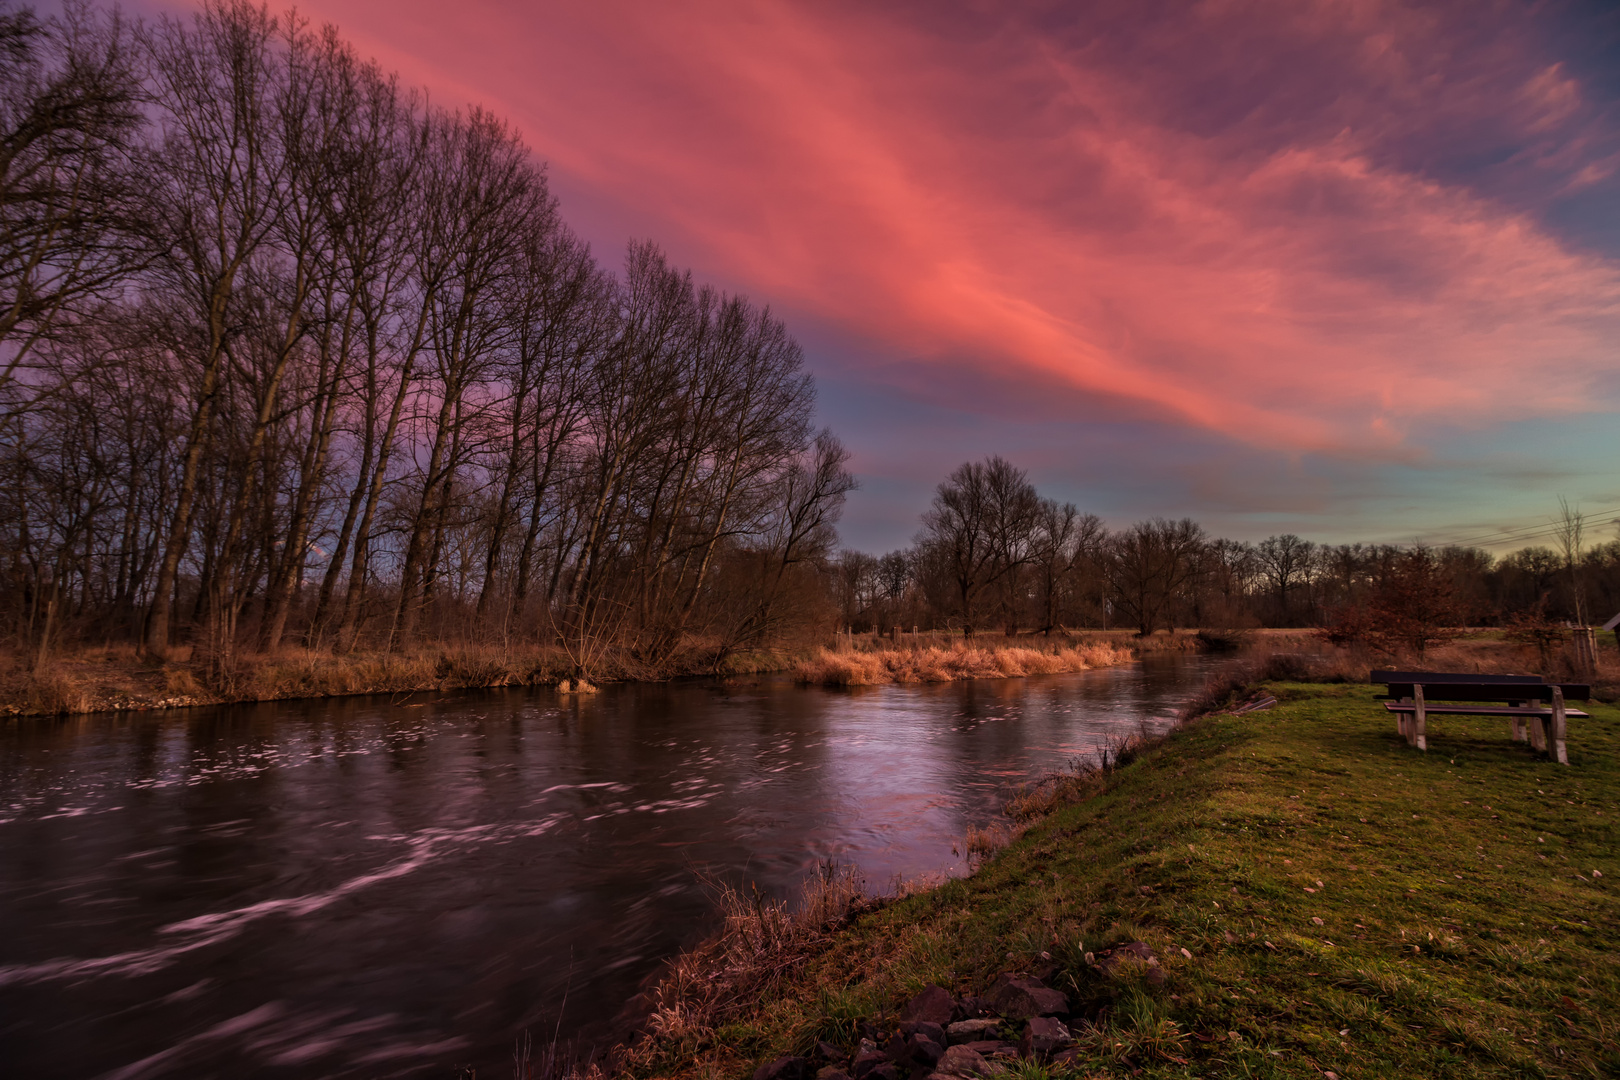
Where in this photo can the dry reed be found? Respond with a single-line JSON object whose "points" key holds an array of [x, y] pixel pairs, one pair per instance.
{"points": [[961, 661], [1085, 777], [760, 943]]}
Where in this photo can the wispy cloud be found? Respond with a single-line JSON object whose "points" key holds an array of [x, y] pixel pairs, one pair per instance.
{"points": [[1309, 228]]}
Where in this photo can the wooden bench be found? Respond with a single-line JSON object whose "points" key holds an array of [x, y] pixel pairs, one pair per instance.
{"points": [[1414, 695]]}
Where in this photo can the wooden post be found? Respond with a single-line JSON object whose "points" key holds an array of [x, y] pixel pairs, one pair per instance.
{"points": [[1538, 732], [1419, 720], [894, 633], [1584, 645], [1559, 720], [1516, 723], [1402, 719]]}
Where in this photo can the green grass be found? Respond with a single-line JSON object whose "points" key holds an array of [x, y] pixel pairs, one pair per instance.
{"points": [[1455, 928]]}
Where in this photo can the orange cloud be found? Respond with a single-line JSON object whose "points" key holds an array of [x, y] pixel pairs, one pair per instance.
{"points": [[1231, 218]]}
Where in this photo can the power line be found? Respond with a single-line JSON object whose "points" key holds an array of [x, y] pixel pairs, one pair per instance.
{"points": [[1522, 533]]}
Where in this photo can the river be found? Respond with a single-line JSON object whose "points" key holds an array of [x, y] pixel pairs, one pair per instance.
{"points": [[375, 887]]}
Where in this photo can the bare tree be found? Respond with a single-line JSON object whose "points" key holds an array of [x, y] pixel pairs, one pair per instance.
{"points": [[214, 202], [1064, 543], [1150, 565], [1287, 562], [978, 531], [70, 98], [1570, 526]]}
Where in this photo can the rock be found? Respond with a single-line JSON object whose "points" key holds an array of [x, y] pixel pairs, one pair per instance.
{"points": [[886, 1072], [785, 1068], [993, 1048], [831, 1072], [968, 1030], [915, 1048], [934, 1005], [1021, 998], [960, 1061], [927, 1029], [971, 1007], [826, 1051], [866, 1061], [1044, 1037]]}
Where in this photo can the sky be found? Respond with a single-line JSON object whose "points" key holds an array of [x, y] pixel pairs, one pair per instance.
{"points": [[1348, 269]]}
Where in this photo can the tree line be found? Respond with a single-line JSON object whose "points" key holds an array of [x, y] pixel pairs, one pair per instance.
{"points": [[290, 353], [993, 554]]}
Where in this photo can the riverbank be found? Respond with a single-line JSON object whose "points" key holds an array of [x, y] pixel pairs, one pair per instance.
{"points": [[1319, 899], [116, 678]]}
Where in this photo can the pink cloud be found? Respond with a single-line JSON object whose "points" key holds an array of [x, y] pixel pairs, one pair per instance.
{"points": [[1223, 219]]}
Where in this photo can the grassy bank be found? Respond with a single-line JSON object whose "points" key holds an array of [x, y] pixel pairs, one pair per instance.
{"points": [[115, 678], [105, 679], [1323, 899]]}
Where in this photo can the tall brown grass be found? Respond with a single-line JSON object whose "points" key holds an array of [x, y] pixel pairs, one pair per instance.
{"points": [[760, 943], [96, 679], [1085, 777], [47, 691], [933, 663]]}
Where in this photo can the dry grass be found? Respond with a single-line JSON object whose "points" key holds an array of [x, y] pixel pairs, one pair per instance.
{"points": [[934, 663], [50, 691], [1084, 778], [761, 944], [981, 843], [100, 679], [111, 678]]}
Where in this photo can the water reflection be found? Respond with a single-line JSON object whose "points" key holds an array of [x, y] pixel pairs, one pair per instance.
{"points": [[359, 887]]}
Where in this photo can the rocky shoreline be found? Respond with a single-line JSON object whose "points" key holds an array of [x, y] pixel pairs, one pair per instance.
{"points": [[941, 1036]]}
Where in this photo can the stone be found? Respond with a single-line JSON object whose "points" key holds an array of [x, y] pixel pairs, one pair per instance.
{"points": [[826, 1051], [1043, 1037], [960, 1061], [886, 1072], [866, 1061], [973, 1006], [784, 1068], [918, 1048], [1022, 998], [831, 1072], [927, 1029], [934, 1005], [968, 1030], [993, 1049]]}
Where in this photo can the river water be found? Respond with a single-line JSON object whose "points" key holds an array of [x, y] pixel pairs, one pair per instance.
{"points": [[372, 887]]}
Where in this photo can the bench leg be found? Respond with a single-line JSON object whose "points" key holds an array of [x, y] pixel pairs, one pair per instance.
{"points": [[1401, 720], [1559, 724], [1538, 734], [1516, 727], [1419, 721]]}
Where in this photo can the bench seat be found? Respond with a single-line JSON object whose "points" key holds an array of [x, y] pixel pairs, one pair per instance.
{"points": [[1483, 710]]}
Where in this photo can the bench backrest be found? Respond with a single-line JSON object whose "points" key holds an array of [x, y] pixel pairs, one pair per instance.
{"points": [[1476, 691], [1431, 678]]}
